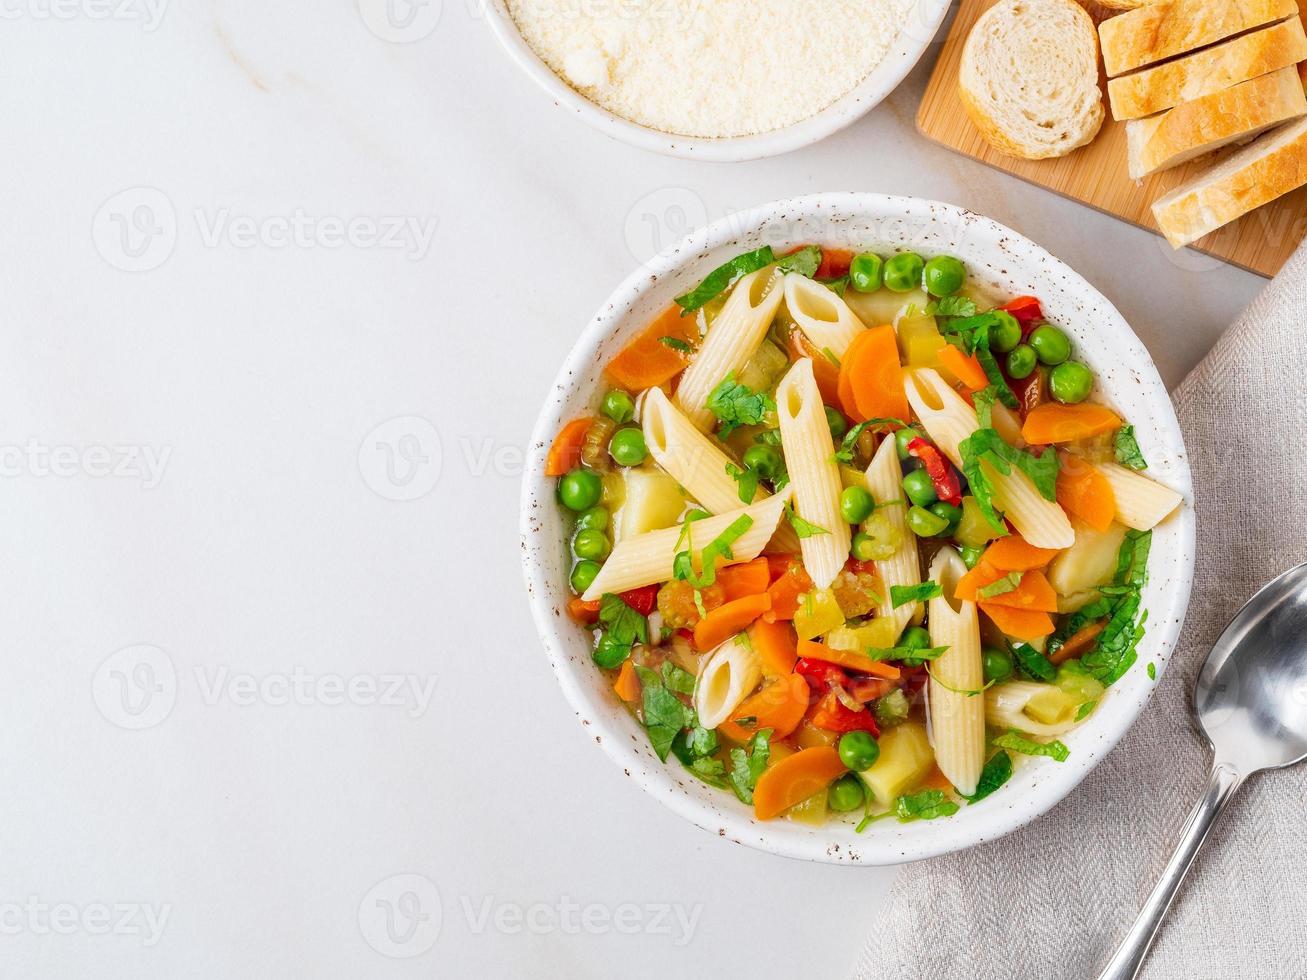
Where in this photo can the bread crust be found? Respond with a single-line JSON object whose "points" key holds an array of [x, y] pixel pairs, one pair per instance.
{"points": [[1166, 28], [1204, 72]]}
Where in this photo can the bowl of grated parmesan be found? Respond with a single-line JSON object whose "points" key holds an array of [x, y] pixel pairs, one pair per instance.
{"points": [[717, 80]]}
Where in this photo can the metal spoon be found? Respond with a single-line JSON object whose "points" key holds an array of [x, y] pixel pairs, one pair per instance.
{"points": [[1251, 703]]}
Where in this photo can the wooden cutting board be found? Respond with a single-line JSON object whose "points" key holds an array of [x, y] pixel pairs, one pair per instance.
{"points": [[1096, 174]]}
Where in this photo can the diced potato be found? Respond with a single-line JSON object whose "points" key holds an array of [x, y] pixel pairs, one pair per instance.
{"points": [[653, 500], [879, 633], [884, 305], [905, 760], [1088, 563], [764, 368], [810, 811], [818, 613], [919, 341], [1052, 706]]}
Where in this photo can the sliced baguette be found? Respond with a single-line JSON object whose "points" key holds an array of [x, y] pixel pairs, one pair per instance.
{"points": [[1029, 77], [1272, 165], [1204, 72], [1214, 121], [1166, 28]]}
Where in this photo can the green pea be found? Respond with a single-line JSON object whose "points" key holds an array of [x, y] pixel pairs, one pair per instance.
{"points": [[595, 517], [915, 638], [591, 544], [583, 574], [924, 524], [839, 425], [1070, 382], [943, 275], [763, 460], [970, 556], [901, 439], [1051, 345], [1005, 334], [608, 653], [950, 513], [580, 489], [627, 446], [919, 488], [856, 505], [1021, 361], [996, 663], [858, 750], [845, 793], [865, 272], [903, 272], [618, 406]]}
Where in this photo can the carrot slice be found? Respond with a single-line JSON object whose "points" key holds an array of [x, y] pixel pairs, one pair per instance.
{"points": [[935, 779], [970, 584], [627, 684], [1052, 422], [728, 619], [1032, 594], [845, 386], [779, 706], [824, 371], [565, 453], [786, 593], [1084, 493], [1078, 643], [1013, 554], [582, 611], [876, 376], [964, 367], [776, 647], [646, 361], [750, 578], [794, 779], [1019, 623], [848, 658]]}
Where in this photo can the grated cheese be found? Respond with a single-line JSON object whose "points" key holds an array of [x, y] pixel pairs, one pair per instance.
{"points": [[711, 68]]}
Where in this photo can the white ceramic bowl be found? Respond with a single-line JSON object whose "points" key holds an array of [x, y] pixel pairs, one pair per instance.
{"points": [[1012, 266], [918, 30]]}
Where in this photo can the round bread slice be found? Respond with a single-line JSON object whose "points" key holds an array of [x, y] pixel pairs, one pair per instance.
{"points": [[1029, 77]]}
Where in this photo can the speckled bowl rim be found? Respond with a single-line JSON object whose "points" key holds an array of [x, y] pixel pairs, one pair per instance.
{"points": [[905, 51], [1008, 262]]}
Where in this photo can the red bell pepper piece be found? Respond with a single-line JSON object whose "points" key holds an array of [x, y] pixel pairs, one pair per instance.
{"points": [[835, 262], [833, 715], [942, 475], [1027, 312], [642, 600], [819, 673]]}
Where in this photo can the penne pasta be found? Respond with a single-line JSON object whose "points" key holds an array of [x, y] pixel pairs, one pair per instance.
{"points": [[814, 474], [1141, 502], [731, 340], [884, 478], [957, 708], [948, 420], [821, 314], [647, 559], [729, 675], [1005, 708]]}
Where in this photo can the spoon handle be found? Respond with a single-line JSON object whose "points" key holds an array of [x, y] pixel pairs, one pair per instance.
{"points": [[1130, 957]]}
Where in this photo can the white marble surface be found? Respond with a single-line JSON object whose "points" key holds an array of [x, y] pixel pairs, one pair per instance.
{"points": [[190, 464]]}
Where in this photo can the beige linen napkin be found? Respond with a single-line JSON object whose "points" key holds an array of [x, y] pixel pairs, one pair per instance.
{"points": [[1052, 900]]}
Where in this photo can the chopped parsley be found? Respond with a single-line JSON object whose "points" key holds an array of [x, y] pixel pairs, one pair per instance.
{"points": [[805, 261], [746, 479], [1127, 449], [1152, 671], [1032, 663], [676, 344], [718, 547], [1083, 711], [665, 715], [1019, 743], [906, 653], [624, 628], [736, 404], [966, 692], [837, 286], [926, 805], [804, 529], [971, 335], [747, 766], [676, 679], [985, 445], [1115, 649], [951, 306], [1008, 583], [901, 595], [724, 277], [997, 771], [845, 453]]}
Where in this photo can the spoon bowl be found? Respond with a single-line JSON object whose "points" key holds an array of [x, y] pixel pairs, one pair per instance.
{"points": [[1251, 703]]}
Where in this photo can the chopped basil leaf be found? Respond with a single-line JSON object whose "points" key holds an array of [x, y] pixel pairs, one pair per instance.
{"points": [[906, 653], [665, 715], [676, 679], [736, 404], [951, 306], [1127, 449], [901, 595], [719, 547], [1083, 711], [676, 344], [997, 771], [1019, 743], [724, 277], [746, 767], [837, 286], [986, 445], [746, 480], [1114, 650], [624, 628], [926, 805], [806, 261], [845, 453], [768, 437], [1152, 671], [1008, 583], [804, 529], [1032, 662]]}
